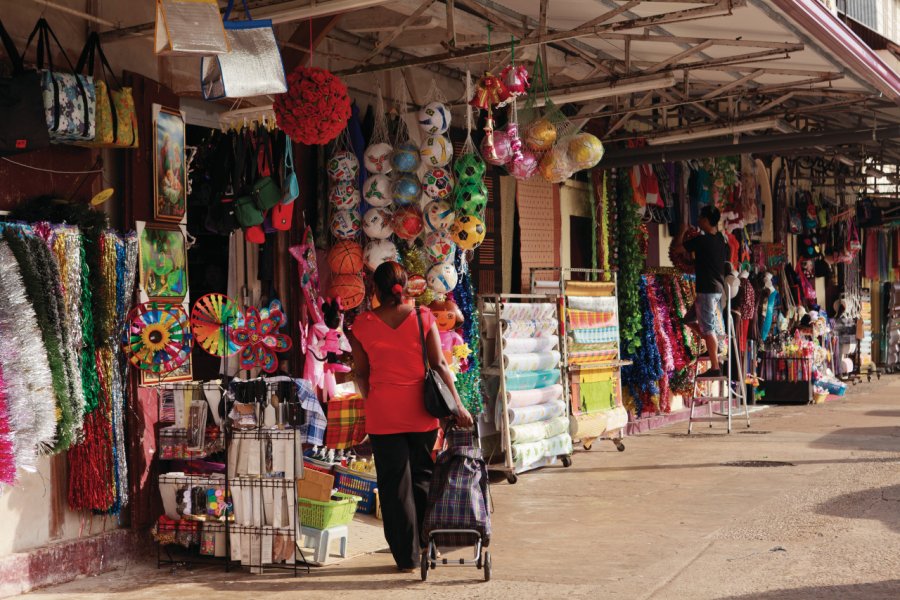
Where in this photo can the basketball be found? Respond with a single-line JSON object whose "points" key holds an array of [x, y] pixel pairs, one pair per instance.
{"points": [[351, 289], [345, 258]]}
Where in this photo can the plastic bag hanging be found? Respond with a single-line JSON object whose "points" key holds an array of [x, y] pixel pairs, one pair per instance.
{"points": [[189, 27]]}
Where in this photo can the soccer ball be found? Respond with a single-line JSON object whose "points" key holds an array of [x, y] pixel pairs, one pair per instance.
{"points": [[469, 168], [442, 277], [439, 246], [345, 224], [434, 118], [406, 158], [376, 223], [439, 215], [378, 190], [342, 166], [438, 183], [471, 199], [377, 158], [436, 151], [407, 223], [468, 232], [407, 189], [343, 195], [379, 251]]}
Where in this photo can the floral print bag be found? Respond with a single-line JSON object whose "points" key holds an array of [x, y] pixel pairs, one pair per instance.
{"points": [[116, 121], [69, 98]]}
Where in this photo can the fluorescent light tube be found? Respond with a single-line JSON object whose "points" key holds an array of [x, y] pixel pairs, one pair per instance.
{"points": [[612, 90], [749, 126]]}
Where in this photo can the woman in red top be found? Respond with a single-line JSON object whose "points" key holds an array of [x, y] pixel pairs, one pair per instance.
{"points": [[387, 359]]}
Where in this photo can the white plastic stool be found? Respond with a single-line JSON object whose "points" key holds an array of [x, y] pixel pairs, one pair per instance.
{"points": [[321, 539]]}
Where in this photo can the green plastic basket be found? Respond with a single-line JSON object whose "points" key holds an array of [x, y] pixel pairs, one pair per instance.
{"points": [[326, 514]]}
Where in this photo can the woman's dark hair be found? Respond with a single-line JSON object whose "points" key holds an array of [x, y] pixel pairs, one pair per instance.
{"points": [[390, 281], [711, 214]]}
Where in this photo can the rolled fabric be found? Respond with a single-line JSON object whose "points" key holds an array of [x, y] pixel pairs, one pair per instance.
{"points": [[616, 418], [522, 311], [520, 398], [589, 319], [526, 454], [589, 288], [540, 430], [588, 425], [601, 304], [531, 361], [541, 344], [528, 380], [558, 445], [539, 412], [529, 328]]}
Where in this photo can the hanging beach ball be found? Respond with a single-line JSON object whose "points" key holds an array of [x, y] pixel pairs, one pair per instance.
{"points": [[345, 258], [436, 151], [343, 195], [502, 150], [376, 223], [469, 167], [540, 135], [416, 285], [584, 151], [554, 166], [525, 168], [380, 251], [468, 232], [378, 190], [377, 158], [434, 118], [442, 278], [406, 158], [407, 189], [408, 223], [345, 224], [439, 215], [343, 166], [471, 199], [351, 289], [438, 183], [439, 246]]}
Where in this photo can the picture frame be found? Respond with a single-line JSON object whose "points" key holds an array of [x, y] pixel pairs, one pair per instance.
{"points": [[169, 166], [163, 262], [185, 372]]}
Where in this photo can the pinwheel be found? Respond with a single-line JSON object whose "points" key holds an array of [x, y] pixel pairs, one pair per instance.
{"points": [[158, 338], [259, 339], [213, 319]]}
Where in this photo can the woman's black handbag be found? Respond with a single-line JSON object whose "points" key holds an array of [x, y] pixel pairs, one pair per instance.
{"points": [[22, 125], [439, 400]]}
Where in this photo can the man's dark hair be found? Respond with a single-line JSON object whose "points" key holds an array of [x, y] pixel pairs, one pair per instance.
{"points": [[711, 214]]}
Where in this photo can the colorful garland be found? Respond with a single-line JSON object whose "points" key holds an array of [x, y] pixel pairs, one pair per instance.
{"points": [[468, 384], [7, 445], [663, 326], [631, 264], [643, 375]]}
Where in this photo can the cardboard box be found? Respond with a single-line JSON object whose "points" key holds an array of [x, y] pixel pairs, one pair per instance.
{"points": [[315, 485]]}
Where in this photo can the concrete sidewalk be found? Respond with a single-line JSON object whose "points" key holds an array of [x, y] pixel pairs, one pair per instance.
{"points": [[665, 519]]}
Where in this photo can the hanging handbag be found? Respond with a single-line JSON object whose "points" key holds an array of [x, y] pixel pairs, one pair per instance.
{"points": [[69, 100], [253, 67], [439, 401], [22, 126], [250, 210], [189, 27], [290, 186], [116, 120]]}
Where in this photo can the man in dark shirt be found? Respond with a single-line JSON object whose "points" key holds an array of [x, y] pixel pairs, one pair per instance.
{"points": [[710, 252]]}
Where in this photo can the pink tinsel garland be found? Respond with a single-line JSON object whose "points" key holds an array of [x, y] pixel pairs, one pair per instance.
{"points": [[7, 452], [661, 320]]}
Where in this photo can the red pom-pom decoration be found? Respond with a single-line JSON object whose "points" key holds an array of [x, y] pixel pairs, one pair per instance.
{"points": [[316, 107]]}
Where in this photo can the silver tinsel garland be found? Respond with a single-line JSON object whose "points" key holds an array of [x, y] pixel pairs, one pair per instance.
{"points": [[26, 371]]}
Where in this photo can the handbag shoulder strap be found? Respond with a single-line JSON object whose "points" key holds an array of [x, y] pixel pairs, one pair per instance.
{"points": [[228, 10], [422, 338], [14, 57]]}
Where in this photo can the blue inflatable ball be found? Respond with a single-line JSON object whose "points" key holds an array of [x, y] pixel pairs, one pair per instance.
{"points": [[407, 189], [406, 158]]}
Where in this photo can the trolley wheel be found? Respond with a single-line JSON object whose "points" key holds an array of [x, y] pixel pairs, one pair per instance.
{"points": [[487, 565], [620, 446], [512, 478], [423, 564], [587, 445], [567, 461]]}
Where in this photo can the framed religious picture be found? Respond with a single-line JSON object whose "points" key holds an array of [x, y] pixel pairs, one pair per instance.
{"points": [[184, 372], [162, 262], [169, 166]]}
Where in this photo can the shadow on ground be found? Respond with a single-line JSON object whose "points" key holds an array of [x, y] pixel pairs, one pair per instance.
{"points": [[873, 439], [861, 591], [877, 504]]}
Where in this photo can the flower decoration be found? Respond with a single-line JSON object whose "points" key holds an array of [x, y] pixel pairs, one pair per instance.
{"points": [[316, 107], [259, 339], [158, 338]]}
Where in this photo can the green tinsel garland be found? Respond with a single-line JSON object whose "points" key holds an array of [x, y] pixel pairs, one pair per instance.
{"points": [[40, 290], [89, 380], [631, 263]]}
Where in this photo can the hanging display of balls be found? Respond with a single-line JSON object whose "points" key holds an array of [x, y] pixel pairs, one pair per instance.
{"points": [[408, 223], [416, 286], [525, 168], [442, 278], [406, 158], [345, 224], [554, 166], [584, 151], [469, 167], [471, 199], [377, 190], [434, 118], [540, 135], [376, 223], [407, 189], [343, 195], [437, 183], [438, 215], [377, 158], [439, 246], [345, 258], [379, 251], [343, 166], [351, 289], [468, 232], [502, 150], [436, 151]]}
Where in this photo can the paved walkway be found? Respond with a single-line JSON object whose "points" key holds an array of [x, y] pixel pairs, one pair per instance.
{"points": [[663, 520]]}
